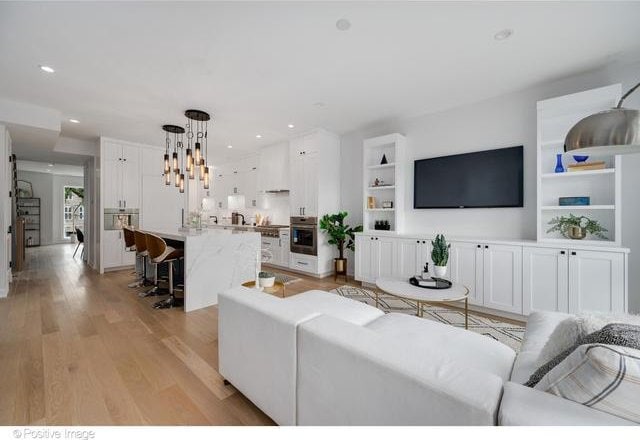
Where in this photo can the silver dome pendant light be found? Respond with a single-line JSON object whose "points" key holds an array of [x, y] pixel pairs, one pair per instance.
{"points": [[610, 132]]}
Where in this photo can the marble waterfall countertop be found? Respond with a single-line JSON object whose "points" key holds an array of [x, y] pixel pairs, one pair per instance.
{"points": [[214, 260]]}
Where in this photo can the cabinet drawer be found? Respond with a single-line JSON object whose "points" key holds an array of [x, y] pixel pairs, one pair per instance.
{"points": [[304, 263]]}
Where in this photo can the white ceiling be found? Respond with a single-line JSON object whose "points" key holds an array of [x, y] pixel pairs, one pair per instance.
{"points": [[124, 69], [49, 167]]}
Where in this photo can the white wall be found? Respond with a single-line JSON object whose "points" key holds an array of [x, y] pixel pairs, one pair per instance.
{"points": [[50, 189], [5, 211], [498, 122]]}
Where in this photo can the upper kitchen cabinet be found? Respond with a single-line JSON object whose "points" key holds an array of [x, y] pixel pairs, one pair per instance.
{"points": [[120, 174], [273, 173], [315, 174]]}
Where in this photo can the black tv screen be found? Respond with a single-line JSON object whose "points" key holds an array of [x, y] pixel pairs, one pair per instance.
{"points": [[483, 179]]}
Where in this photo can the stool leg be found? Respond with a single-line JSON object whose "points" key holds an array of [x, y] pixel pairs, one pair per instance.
{"points": [[172, 301]]}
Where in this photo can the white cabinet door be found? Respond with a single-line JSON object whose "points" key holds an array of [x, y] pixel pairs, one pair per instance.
{"points": [[298, 189], [311, 162], [384, 257], [131, 177], [161, 207], [596, 281], [251, 184], [363, 265], [545, 280], [466, 267], [112, 184], [285, 249], [409, 251], [503, 277], [270, 250], [112, 246]]}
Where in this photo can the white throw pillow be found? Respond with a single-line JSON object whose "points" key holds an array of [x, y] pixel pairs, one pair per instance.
{"points": [[603, 377], [567, 333]]}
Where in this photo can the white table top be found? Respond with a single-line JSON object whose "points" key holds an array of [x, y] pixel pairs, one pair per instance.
{"points": [[402, 288]]}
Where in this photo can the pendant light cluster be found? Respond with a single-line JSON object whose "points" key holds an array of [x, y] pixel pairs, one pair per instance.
{"points": [[194, 159]]}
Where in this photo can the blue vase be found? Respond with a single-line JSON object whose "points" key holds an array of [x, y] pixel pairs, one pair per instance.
{"points": [[559, 167]]}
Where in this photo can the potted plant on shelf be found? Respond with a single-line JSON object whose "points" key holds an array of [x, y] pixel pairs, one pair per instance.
{"points": [[576, 227], [440, 255], [340, 235]]}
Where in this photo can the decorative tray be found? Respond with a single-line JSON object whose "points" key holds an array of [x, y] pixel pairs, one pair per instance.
{"points": [[441, 283]]}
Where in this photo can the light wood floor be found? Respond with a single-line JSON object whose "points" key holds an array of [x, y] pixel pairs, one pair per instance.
{"points": [[79, 348]]}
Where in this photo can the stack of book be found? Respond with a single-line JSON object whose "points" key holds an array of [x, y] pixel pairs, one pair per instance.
{"points": [[584, 166], [426, 282]]}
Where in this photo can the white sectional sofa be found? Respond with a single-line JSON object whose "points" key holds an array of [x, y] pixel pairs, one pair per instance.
{"points": [[319, 359]]}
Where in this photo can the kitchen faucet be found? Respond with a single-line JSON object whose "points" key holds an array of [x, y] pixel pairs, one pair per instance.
{"points": [[241, 215], [214, 217]]}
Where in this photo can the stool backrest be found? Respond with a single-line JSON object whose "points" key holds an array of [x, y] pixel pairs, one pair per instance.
{"points": [[156, 246], [129, 237], [140, 239]]}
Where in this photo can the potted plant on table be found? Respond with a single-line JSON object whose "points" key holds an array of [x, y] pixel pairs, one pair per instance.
{"points": [[340, 235], [440, 255], [266, 279]]}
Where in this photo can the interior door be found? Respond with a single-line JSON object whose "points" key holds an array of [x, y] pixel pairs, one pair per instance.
{"points": [[503, 278], [596, 281], [466, 268], [545, 280]]}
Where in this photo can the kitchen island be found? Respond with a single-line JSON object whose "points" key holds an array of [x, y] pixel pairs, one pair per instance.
{"points": [[214, 261]]}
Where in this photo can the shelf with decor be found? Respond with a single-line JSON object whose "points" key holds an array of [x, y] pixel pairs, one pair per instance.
{"points": [[28, 208], [592, 182], [383, 177]]}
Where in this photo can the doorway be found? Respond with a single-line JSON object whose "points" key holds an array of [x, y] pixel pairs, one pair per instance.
{"points": [[73, 210]]}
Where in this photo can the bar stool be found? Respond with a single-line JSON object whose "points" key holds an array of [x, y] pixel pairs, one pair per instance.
{"points": [[141, 249], [160, 253], [130, 246]]}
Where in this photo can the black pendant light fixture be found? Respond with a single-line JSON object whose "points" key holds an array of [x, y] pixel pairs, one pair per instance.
{"points": [[176, 132], [194, 159]]}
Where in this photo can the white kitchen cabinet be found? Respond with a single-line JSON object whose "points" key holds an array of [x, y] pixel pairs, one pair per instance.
{"points": [[273, 168], [596, 281], [114, 253], [304, 183], [545, 279], [466, 266], [503, 277], [270, 250], [121, 175]]}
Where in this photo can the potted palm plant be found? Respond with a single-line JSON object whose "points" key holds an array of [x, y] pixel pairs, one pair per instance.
{"points": [[440, 255], [340, 235]]}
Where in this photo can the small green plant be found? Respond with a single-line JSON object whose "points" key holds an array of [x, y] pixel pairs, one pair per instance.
{"points": [[562, 224], [266, 275], [440, 251], [340, 235]]}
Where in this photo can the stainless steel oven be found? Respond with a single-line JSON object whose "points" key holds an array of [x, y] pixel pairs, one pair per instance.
{"points": [[304, 235], [115, 218]]}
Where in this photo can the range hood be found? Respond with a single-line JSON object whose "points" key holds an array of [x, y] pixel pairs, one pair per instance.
{"points": [[276, 191]]}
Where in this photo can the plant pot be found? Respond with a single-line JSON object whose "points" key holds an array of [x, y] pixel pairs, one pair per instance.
{"points": [[340, 265], [267, 282], [576, 232], [440, 271]]}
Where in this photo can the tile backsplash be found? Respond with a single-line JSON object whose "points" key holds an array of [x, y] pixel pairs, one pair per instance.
{"points": [[275, 206]]}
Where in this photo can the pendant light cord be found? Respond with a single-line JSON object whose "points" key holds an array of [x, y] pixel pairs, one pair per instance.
{"points": [[633, 89]]}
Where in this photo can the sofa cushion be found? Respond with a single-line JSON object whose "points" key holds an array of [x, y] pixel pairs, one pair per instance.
{"points": [[326, 303], [604, 377], [615, 334], [462, 346], [540, 325]]}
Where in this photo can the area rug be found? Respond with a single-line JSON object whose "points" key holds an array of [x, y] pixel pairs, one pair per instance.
{"points": [[507, 333], [285, 279]]}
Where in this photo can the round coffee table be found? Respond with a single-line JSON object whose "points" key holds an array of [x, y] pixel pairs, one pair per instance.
{"points": [[403, 289]]}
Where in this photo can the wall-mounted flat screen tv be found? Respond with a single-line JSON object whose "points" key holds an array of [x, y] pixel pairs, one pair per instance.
{"points": [[482, 179]]}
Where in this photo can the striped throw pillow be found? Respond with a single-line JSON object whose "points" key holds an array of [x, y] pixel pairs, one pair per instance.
{"points": [[604, 377]]}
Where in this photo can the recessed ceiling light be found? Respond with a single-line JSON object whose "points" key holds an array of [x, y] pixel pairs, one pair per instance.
{"points": [[319, 104], [503, 34], [229, 146], [47, 69], [291, 126], [75, 121], [343, 24], [258, 136], [49, 164]]}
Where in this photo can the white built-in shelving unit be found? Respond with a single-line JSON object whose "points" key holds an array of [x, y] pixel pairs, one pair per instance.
{"points": [[555, 118], [391, 174]]}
